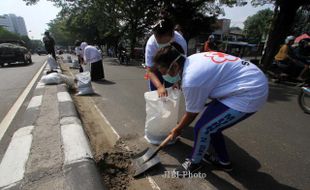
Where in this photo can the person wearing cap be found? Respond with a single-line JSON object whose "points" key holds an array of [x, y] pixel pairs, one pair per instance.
{"points": [[163, 33], [49, 44], [210, 44], [236, 87], [93, 61]]}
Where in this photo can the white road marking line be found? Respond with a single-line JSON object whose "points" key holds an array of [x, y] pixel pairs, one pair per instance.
{"points": [[5, 123], [76, 147], [153, 183], [150, 179], [35, 101], [64, 97], [12, 167], [106, 120]]}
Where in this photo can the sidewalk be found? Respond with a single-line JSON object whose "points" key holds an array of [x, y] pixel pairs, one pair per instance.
{"points": [[50, 149]]}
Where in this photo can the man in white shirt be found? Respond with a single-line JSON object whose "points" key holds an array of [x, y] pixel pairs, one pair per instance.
{"points": [[237, 88]]}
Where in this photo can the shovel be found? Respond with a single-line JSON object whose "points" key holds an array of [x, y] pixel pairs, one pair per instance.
{"points": [[149, 159]]}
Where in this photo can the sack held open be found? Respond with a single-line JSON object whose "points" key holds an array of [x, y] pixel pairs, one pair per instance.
{"points": [[161, 114]]}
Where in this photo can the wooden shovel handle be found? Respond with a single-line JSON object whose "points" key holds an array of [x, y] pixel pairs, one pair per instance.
{"points": [[163, 144]]}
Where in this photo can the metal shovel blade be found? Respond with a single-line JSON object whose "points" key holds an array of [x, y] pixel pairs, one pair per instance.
{"points": [[146, 156], [141, 168]]}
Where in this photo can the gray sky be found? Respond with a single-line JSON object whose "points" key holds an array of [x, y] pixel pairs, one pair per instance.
{"points": [[37, 16], [239, 14]]}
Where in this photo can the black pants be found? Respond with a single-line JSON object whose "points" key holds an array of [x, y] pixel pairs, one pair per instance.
{"points": [[52, 52], [97, 71]]}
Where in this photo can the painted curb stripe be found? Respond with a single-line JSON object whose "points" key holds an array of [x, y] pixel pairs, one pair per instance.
{"points": [[64, 97], [35, 101], [12, 167], [76, 147]]}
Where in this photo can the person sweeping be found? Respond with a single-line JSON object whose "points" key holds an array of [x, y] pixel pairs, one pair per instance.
{"points": [[236, 87]]}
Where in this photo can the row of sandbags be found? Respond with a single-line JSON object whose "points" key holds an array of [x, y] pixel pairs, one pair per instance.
{"points": [[82, 81]]}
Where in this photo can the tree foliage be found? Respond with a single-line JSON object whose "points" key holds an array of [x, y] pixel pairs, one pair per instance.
{"points": [[108, 21], [59, 29], [5, 35], [256, 26], [302, 21]]}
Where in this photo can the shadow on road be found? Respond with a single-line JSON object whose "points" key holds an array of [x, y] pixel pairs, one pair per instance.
{"points": [[279, 92], [105, 82], [246, 167]]}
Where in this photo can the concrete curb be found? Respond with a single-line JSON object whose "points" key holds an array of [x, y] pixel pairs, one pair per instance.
{"points": [[79, 167]]}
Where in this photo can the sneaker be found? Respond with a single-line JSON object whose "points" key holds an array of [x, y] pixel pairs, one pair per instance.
{"points": [[187, 168], [210, 159]]}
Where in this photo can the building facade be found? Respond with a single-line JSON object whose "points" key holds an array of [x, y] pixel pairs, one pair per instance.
{"points": [[13, 23]]}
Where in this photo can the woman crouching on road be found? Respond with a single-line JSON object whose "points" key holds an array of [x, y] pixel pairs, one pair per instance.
{"points": [[237, 88]]}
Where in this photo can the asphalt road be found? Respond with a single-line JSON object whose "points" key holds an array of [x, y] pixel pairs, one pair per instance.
{"points": [[13, 80], [270, 150]]}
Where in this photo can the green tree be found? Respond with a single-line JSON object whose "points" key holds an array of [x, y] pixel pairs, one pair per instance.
{"points": [[7, 35], [105, 21], [302, 21], [285, 12], [60, 31], [256, 27]]}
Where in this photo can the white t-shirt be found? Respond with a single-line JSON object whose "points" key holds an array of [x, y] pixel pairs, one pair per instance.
{"points": [[236, 83], [152, 47], [91, 54]]}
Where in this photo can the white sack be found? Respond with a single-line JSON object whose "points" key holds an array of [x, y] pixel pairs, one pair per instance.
{"points": [[84, 83], [161, 114], [52, 62], [52, 78], [86, 67]]}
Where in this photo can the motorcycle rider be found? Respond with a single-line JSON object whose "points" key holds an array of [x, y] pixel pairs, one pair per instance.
{"points": [[286, 59], [301, 53], [283, 58]]}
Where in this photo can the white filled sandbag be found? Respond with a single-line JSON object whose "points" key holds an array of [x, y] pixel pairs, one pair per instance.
{"points": [[86, 67], [84, 83], [52, 78], [52, 62], [161, 114]]}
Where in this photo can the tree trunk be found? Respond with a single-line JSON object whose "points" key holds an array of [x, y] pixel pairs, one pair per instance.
{"points": [[282, 24]]}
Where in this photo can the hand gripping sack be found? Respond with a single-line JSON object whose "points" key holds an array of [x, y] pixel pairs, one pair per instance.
{"points": [[161, 114], [84, 83]]}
